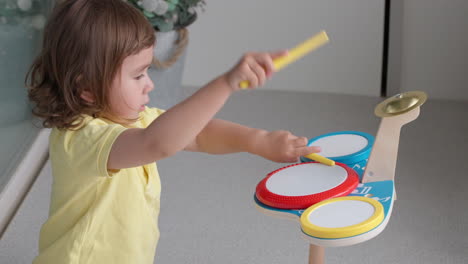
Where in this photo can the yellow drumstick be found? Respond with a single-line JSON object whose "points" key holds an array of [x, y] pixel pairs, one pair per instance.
{"points": [[321, 159], [296, 53]]}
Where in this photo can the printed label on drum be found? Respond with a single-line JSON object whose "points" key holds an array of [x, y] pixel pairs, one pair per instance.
{"points": [[382, 191]]}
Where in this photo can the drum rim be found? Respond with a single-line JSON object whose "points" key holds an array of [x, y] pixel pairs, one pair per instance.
{"points": [[341, 232], [304, 201], [351, 158]]}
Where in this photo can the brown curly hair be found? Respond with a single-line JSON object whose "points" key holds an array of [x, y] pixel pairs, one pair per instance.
{"points": [[84, 45]]}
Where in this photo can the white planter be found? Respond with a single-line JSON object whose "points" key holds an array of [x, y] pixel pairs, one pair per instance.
{"points": [[168, 90]]}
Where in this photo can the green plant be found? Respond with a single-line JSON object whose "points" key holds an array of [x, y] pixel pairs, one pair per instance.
{"points": [[167, 15]]}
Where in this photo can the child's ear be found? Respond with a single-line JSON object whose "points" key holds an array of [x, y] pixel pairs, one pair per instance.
{"points": [[87, 96]]}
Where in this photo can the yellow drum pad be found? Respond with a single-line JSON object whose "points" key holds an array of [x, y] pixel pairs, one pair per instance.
{"points": [[342, 217]]}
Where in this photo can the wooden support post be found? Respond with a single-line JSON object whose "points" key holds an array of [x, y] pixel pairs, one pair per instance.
{"points": [[316, 254]]}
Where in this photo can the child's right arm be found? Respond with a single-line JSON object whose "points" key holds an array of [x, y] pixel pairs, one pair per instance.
{"points": [[178, 127]]}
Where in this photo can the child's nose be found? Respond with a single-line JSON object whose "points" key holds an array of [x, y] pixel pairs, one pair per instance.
{"points": [[149, 86]]}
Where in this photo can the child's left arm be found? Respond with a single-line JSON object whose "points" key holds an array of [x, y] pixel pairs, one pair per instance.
{"points": [[222, 137]]}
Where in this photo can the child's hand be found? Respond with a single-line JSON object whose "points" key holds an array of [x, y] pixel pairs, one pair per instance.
{"points": [[282, 146], [253, 67]]}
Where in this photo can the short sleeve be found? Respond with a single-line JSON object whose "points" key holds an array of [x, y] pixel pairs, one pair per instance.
{"points": [[86, 151], [104, 147]]}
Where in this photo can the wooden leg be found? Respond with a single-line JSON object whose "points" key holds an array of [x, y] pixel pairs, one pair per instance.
{"points": [[316, 254]]}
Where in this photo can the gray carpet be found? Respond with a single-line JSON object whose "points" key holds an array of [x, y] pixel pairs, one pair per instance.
{"points": [[208, 215]]}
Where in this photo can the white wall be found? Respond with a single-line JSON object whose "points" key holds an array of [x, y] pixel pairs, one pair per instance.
{"points": [[350, 63], [435, 48]]}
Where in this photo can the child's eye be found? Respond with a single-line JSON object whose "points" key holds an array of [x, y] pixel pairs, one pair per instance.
{"points": [[139, 77]]}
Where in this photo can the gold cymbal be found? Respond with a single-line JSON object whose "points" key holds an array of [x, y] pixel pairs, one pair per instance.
{"points": [[400, 103]]}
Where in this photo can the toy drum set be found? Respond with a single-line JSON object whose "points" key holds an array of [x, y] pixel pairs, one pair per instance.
{"points": [[350, 202]]}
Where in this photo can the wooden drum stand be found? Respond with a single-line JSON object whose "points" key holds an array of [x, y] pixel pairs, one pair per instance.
{"points": [[333, 206]]}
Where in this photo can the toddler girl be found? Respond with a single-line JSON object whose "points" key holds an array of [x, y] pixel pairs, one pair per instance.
{"points": [[90, 85]]}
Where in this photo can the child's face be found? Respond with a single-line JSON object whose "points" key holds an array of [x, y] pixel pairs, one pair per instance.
{"points": [[130, 88]]}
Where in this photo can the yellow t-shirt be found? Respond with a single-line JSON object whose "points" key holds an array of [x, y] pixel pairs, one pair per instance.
{"points": [[99, 216]]}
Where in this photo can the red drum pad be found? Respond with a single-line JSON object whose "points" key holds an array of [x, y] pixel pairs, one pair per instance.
{"points": [[301, 185]]}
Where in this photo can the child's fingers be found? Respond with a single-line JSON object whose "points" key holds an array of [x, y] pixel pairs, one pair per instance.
{"points": [[244, 72], [266, 60], [257, 67], [252, 77], [259, 72], [302, 151], [300, 142]]}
